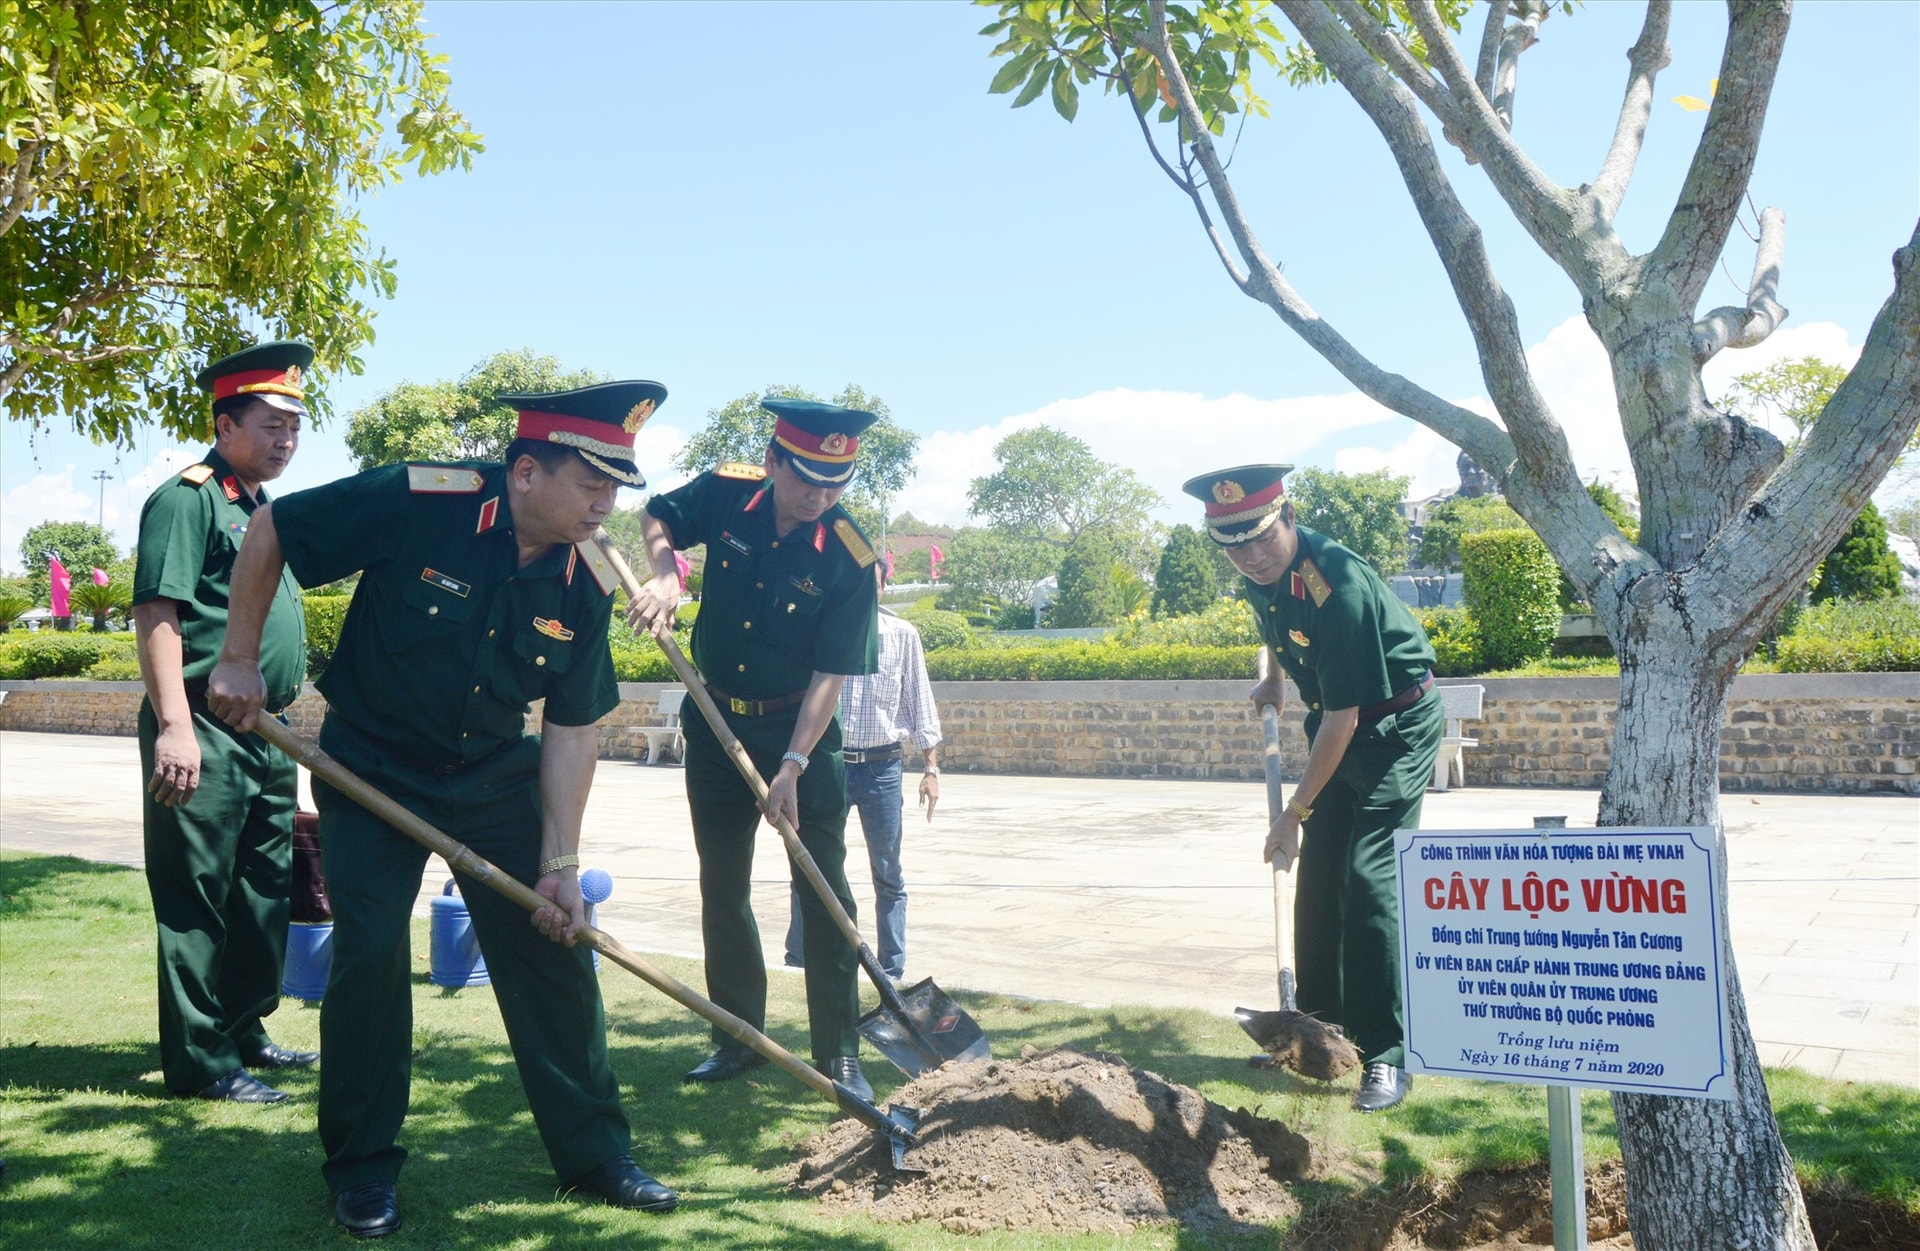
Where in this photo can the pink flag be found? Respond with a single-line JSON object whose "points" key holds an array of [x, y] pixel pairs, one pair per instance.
{"points": [[62, 585], [681, 567], [934, 557], [100, 577], [889, 564]]}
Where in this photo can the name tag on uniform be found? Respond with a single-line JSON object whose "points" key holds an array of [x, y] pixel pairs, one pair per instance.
{"points": [[735, 544], [805, 586], [445, 583]]}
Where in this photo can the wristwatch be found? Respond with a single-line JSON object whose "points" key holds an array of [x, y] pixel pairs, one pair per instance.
{"points": [[798, 758], [932, 771]]}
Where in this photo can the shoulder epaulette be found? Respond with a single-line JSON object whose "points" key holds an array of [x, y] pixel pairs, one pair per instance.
{"points": [[598, 565], [197, 475], [443, 480], [741, 470], [855, 542], [1316, 583]]}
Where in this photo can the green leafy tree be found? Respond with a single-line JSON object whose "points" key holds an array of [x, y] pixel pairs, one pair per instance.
{"points": [[81, 546], [458, 420], [1359, 510], [175, 174], [1861, 565], [1051, 488], [741, 430], [1794, 389], [1904, 519], [1188, 580], [1090, 591], [986, 570], [1451, 519], [914, 566], [907, 523]]}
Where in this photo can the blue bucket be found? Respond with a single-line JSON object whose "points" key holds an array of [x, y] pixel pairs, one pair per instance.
{"points": [[455, 949], [309, 960]]}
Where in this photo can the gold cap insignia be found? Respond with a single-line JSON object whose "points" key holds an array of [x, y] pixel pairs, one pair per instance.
{"points": [[834, 444], [293, 375], [1228, 492], [637, 416]]}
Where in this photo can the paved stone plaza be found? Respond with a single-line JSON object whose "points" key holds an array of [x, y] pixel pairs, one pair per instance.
{"points": [[1121, 891]]}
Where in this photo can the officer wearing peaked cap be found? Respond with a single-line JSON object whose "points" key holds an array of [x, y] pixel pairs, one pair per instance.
{"points": [[481, 591], [1373, 723], [218, 809], [789, 608]]}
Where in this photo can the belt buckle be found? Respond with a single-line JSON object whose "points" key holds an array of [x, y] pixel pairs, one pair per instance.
{"points": [[741, 707]]}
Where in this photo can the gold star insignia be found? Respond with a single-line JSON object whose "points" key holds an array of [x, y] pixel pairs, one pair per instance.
{"points": [[637, 416], [834, 444]]}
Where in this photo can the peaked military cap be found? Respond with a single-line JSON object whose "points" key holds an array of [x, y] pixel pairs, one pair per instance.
{"points": [[1242, 502], [820, 440], [599, 422], [274, 372]]}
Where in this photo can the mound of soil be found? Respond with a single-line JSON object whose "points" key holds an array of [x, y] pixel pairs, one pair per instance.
{"points": [[1487, 1211], [1065, 1141]]}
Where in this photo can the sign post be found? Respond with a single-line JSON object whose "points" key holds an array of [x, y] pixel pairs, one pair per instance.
{"points": [[1579, 958]]}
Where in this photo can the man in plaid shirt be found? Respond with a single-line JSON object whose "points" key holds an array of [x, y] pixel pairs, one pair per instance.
{"points": [[877, 711]]}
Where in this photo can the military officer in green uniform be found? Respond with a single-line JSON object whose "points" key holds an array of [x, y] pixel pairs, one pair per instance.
{"points": [[1373, 726], [218, 808], [789, 607], [480, 591]]}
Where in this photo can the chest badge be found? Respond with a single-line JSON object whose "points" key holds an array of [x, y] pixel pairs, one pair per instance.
{"points": [[805, 586], [735, 544], [553, 629], [1299, 639], [441, 580]]}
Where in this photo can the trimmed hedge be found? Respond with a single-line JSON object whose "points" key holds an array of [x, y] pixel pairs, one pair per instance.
{"points": [[53, 654], [939, 630], [1226, 623], [1072, 660], [1853, 636], [1512, 587], [1455, 636], [325, 615]]}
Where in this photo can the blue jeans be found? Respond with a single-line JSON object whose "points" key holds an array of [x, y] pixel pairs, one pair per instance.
{"points": [[875, 790]]}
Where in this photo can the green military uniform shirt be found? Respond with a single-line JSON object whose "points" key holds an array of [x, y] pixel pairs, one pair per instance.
{"points": [[190, 532], [773, 609], [1339, 631], [448, 640]]}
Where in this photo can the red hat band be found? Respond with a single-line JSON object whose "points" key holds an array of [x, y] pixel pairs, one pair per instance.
{"points": [[579, 432], [254, 381], [835, 449], [1230, 503]]}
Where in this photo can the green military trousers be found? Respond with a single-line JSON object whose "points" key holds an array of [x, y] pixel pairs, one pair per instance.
{"points": [[1346, 913], [548, 995], [725, 822], [220, 870]]}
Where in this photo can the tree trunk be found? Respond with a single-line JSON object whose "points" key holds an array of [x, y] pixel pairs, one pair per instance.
{"points": [[1701, 1173]]}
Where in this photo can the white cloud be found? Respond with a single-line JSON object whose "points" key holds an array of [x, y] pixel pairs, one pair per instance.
{"points": [[66, 495]]}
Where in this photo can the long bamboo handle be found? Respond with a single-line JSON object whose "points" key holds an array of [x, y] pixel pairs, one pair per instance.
{"points": [[1282, 863], [464, 860], [697, 691]]}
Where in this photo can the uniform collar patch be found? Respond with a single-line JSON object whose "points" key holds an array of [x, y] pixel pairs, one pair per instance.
{"points": [[754, 503], [819, 536], [231, 485], [489, 516]]}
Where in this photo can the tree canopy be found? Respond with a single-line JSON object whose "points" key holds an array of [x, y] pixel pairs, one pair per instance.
{"points": [[1188, 580], [987, 569], [80, 545], [1051, 488], [1358, 510], [740, 430], [460, 419], [1861, 565], [179, 178]]}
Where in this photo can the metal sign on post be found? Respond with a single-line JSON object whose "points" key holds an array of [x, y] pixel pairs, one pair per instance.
{"points": [[1570, 958]]}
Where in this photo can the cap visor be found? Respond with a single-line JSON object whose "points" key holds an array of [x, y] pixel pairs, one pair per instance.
{"points": [[285, 403], [821, 473]]}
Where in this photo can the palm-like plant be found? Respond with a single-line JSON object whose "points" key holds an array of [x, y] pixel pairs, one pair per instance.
{"points": [[13, 606], [101, 601]]}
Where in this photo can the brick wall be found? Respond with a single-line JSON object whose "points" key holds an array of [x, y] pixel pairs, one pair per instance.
{"points": [[1855, 733]]}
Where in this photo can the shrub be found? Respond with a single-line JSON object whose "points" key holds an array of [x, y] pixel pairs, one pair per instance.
{"points": [[1854, 637], [639, 660], [1074, 660], [13, 606], [1225, 623], [60, 655], [1455, 638], [114, 669], [1512, 587], [1861, 565], [325, 615], [940, 630], [1014, 617]]}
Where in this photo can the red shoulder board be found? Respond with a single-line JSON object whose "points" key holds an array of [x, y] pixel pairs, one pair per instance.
{"points": [[1316, 583]]}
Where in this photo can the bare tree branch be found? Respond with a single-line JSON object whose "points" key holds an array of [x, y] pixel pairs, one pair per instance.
{"points": [[77, 305], [1648, 56], [1486, 441], [1378, 39], [1490, 45], [1723, 163], [1732, 327], [1518, 37], [72, 356], [13, 374], [21, 187]]}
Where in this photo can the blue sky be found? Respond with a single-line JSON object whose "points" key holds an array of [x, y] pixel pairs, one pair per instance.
{"points": [[725, 196]]}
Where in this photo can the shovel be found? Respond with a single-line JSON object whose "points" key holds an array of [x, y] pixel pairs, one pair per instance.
{"points": [[918, 1029], [897, 1125], [1290, 1036]]}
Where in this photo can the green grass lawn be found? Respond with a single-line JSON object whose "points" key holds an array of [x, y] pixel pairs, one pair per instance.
{"points": [[98, 1156]]}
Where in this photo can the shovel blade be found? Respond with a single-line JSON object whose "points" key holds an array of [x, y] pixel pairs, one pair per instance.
{"points": [[933, 1030]]}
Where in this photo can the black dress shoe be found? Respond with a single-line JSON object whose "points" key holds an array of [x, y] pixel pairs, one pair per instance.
{"points": [[729, 1062], [1382, 1086], [274, 1056], [621, 1182], [370, 1210], [241, 1086], [846, 1071]]}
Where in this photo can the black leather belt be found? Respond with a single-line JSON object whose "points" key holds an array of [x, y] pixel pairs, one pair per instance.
{"points": [[1400, 702], [755, 707], [872, 755]]}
